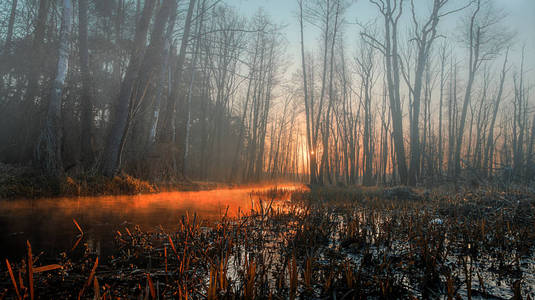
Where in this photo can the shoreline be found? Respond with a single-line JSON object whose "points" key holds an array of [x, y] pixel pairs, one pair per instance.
{"points": [[29, 183]]}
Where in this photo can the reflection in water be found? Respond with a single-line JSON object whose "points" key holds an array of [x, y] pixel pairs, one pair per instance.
{"points": [[47, 223]]}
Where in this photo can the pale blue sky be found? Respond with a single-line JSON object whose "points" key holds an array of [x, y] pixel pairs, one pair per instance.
{"points": [[521, 19]]}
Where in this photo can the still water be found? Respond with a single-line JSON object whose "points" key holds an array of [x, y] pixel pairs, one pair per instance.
{"points": [[48, 223]]}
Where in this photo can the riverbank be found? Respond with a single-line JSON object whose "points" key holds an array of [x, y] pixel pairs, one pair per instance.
{"points": [[346, 243], [27, 182]]}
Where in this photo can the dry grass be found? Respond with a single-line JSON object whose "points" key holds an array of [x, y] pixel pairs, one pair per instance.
{"points": [[22, 182]]}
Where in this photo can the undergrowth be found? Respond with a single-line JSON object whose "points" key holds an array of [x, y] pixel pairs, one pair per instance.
{"points": [[25, 182]]}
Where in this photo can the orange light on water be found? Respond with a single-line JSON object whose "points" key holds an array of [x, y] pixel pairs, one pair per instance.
{"points": [[147, 210]]}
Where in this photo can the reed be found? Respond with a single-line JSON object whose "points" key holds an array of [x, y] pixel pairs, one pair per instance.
{"points": [[323, 244], [13, 281], [30, 269], [89, 279]]}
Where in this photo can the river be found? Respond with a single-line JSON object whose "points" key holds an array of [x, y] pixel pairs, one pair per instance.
{"points": [[48, 223]]}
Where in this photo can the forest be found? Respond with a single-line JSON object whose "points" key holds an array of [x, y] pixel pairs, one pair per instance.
{"points": [[195, 90], [267, 149]]}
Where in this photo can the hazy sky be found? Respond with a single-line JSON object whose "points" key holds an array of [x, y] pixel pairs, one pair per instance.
{"points": [[521, 18]]}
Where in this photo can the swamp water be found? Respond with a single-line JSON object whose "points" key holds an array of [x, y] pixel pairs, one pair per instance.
{"points": [[314, 249], [48, 223]]}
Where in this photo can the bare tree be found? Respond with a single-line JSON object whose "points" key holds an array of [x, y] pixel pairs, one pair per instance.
{"points": [[443, 78], [423, 35], [6, 51], [111, 158], [485, 40], [520, 105], [168, 121], [37, 44], [34, 73], [86, 119], [391, 10], [52, 135], [308, 103], [164, 74], [496, 105], [198, 26], [366, 69]]}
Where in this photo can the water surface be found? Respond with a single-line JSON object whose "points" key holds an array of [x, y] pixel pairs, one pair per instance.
{"points": [[48, 223]]}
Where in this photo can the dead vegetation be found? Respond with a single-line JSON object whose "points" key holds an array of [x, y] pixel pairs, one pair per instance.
{"points": [[22, 182], [324, 243], [28, 182]]}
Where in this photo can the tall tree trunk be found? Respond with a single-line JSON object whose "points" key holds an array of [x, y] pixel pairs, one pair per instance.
{"points": [[34, 73], [6, 51], [198, 26], [52, 133], [520, 104], [111, 158], [118, 37], [149, 71], [11, 23], [392, 66], [308, 113], [167, 128], [36, 60], [164, 73], [440, 114], [86, 119], [424, 40], [452, 118], [234, 169], [325, 158], [475, 43], [530, 161], [476, 160]]}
